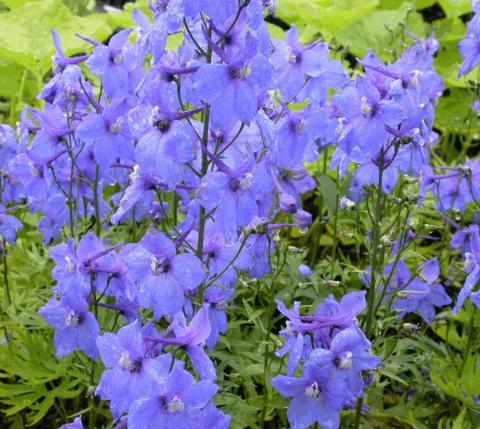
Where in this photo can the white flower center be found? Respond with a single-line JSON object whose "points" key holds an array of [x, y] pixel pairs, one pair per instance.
{"points": [[301, 126], [366, 107], [313, 391], [135, 173], [176, 404], [246, 182], [70, 264], [125, 361], [72, 319], [469, 262], [116, 126], [346, 361], [34, 170]]}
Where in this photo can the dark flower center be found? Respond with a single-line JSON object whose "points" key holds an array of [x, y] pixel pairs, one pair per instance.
{"points": [[160, 265], [234, 184], [162, 125], [235, 73]]}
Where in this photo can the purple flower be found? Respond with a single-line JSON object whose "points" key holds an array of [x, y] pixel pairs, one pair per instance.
{"points": [[366, 116], [231, 87], [163, 276], [112, 63], [74, 263], [9, 225], [294, 62], [210, 417], [469, 47], [192, 337], [108, 132], [303, 333], [316, 397], [234, 195], [422, 298], [431, 270], [75, 327], [472, 268], [165, 142], [348, 355], [76, 424], [218, 298], [175, 400], [129, 364], [305, 270]]}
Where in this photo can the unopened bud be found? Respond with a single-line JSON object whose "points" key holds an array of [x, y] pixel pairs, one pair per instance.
{"points": [[346, 203], [410, 328]]}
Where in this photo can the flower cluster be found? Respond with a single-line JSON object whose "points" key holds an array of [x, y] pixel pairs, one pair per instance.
{"points": [[385, 118], [457, 186], [195, 157], [407, 293], [161, 175], [333, 352]]}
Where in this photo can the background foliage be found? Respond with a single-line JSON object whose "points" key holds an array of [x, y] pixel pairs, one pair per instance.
{"points": [[429, 380]]}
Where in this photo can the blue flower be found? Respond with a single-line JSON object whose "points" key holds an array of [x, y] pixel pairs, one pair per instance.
{"points": [[163, 276], [348, 355], [175, 400], [472, 267], [9, 225], [231, 87], [129, 364], [76, 424], [422, 298], [75, 327], [316, 397]]}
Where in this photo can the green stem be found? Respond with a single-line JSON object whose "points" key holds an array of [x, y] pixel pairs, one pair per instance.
{"points": [[358, 412], [92, 416], [98, 220], [335, 240], [471, 336], [205, 163], [375, 269], [5, 272], [266, 351], [376, 233]]}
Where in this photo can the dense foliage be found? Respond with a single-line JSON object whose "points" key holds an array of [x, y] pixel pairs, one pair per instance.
{"points": [[239, 213]]}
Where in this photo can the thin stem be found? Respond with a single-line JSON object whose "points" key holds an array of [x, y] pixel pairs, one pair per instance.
{"points": [[471, 336], [270, 310], [200, 49], [205, 163], [232, 261], [98, 220], [376, 232], [335, 233], [5, 271]]}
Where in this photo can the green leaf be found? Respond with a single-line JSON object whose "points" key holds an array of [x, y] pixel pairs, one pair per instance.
{"points": [[454, 113], [31, 45], [10, 78], [382, 31], [327, 17], [328, 189], [123, 18], [449, 30], [455, 7], [12, 4], [458, 424], [422, 4]]}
